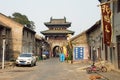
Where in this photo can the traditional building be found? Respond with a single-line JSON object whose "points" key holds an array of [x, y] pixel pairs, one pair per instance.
{"points": [[5, 34], [80, 47], [94, 35], [112, 52], [38, 45], [19, 39], [115, 48], [57, 32]]}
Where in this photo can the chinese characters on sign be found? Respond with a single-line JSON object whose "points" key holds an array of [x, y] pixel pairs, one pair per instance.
{"points": [[106, 22], [78, 53]]}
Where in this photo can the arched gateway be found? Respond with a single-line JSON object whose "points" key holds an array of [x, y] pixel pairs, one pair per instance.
{"points": [[56, 35]]}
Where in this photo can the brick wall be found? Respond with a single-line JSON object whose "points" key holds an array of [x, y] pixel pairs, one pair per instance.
{"points": [[16, 32]]}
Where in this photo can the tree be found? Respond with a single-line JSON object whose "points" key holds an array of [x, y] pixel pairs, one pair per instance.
{"points": [[22, 19]]}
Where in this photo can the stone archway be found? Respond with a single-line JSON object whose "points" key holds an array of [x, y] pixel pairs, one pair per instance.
{"points": [[55, 46], [56, 51]]}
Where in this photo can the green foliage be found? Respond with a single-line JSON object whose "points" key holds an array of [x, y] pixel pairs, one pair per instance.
{"points": [[70, 52], [69, 57], [22, 19]]}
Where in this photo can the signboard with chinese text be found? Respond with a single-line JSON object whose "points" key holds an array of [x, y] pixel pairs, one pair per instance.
{"points": [[78, 53]]}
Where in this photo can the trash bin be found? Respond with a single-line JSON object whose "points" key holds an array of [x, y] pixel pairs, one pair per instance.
{"points": [[62, 57]]}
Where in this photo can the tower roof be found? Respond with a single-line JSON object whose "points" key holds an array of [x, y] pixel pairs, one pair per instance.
{"points": [[57, 32], [59, 22]]}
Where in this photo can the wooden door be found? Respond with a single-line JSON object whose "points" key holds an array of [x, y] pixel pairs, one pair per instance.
{"points": [[118, 50]]}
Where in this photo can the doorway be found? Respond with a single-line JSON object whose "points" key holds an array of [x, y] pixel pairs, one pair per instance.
{"points": [[56, 51], [118, 50]]}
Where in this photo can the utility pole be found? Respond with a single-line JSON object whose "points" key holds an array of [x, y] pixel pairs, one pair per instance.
{"points": [[3, 55]]}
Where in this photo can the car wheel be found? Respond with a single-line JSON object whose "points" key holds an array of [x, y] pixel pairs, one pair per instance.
{"points": [[104, 69], [16, 64], [35, 64], [31, 64]]}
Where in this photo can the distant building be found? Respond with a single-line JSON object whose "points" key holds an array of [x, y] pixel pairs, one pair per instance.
{"points": [[56, 35]]}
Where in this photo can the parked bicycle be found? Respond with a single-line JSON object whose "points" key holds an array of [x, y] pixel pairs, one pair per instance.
{"points": [[93, 69]]}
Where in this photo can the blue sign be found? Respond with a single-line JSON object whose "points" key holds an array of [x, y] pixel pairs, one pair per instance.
{"points": [[78, 53]]}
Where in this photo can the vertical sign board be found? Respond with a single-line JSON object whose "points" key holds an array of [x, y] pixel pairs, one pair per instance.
{"points": [[78, 53]]}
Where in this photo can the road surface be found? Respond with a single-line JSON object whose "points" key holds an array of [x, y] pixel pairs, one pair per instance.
{"points": [[50, 69]]}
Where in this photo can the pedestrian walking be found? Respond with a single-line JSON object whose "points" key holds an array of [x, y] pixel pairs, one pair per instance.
{"points": [[62, 57]]}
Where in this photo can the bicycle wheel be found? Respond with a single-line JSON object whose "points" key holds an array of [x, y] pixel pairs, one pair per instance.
{"points": [[103, 69], [97, 69], [88, 70]]}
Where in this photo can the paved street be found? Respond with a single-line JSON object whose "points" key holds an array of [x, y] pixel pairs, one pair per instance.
{"points": [[51, 69]]}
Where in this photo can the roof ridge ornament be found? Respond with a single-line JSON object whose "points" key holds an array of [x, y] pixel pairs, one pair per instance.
{"points": [[51, 19], [65, 19]]}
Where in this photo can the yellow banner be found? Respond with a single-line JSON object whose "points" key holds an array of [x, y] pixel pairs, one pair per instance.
{"points": [[65, 50]]}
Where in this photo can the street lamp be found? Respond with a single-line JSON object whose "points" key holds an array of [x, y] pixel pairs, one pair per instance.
{"points": [[3, 36]]}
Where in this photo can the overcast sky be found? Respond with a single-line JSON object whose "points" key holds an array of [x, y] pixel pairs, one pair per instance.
{"points": [[81, 13]]}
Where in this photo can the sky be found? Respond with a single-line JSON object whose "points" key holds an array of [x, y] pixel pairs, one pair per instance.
{"points": [[81, 13]]}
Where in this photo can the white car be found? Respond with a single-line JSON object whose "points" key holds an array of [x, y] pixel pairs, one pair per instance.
{"points": [[26, 59]]}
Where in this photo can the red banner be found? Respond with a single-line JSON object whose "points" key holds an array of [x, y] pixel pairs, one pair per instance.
{"points": [[106, 23]]}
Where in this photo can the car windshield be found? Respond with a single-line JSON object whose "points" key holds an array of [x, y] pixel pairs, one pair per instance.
{"points": [[25, 55]]}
